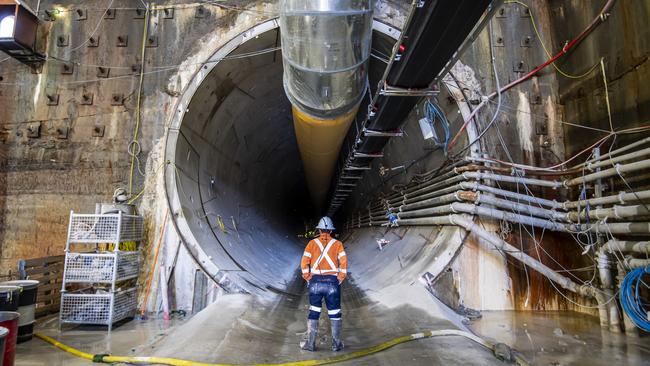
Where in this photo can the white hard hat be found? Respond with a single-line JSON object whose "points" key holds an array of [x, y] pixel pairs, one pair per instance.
{"points": [[325, 223]]}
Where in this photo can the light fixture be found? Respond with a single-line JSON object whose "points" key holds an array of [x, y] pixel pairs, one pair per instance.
{"points": [[18, 31], [54, 13], [7, 26]]}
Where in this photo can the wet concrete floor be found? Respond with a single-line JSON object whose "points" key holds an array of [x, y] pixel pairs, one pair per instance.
{"points": [[255, 332], [241, 329], [562, 338]]}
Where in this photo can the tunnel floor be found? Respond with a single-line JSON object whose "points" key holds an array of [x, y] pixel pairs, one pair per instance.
{"points": [[271, 332], [382, 300], [240, 329]]}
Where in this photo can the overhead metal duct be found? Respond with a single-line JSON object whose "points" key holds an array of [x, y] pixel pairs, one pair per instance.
{"points": [[325, 51]]}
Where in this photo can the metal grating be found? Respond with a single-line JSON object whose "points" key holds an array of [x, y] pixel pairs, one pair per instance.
{"points": [[95, 308], [107, 228], [100, 267], [132, 228]]}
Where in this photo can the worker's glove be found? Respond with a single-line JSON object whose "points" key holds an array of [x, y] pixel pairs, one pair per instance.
{"points": [[306, 276], [341, 278]]}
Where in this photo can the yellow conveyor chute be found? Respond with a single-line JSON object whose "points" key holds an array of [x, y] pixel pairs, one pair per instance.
{"points": [[319, 142]]}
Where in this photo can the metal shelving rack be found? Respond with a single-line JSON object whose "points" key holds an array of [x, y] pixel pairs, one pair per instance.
{"points": [[103, 301]]}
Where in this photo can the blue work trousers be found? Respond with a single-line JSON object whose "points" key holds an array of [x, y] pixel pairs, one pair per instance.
{"points": [[328, 287]]}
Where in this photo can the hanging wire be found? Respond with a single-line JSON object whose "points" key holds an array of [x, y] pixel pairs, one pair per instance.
{"points": [[548, 53], [631, 301], [159, 69], [99, 23], [434, 114]]}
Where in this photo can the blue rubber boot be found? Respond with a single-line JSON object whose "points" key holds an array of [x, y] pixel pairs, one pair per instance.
{"points": [[312, 333], [337, 343]]}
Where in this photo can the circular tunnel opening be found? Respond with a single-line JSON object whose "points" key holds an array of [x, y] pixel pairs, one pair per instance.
{"points": [[238, 180]]}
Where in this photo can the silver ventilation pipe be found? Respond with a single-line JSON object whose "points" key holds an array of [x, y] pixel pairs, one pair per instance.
{"points": [[325, 51]]}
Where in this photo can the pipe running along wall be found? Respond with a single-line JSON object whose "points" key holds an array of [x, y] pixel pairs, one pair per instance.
{"points": [[325, 51], [439, 200]]}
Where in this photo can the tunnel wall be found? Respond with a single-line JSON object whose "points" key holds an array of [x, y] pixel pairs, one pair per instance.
{"points": [[624, 42], [236, 169], [531, 121], [536, 116], [478, 278], [80, 154]]}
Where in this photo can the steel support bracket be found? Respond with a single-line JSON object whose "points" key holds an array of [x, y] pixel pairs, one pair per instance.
{"points": [[353, 167], [80, 14], [67, 68], [62, 40], [394, 91], [103, 72], [93, 41], [62, 133], [377, 133], [34, 130], [122, 40], [152, 42], [139, 13], [168, 13], [117, 99], [52, 99], [357, 154], [86, 99], [98, 131]]}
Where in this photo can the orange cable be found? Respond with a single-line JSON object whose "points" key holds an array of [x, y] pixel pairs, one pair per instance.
{"points": [[153, 264]]}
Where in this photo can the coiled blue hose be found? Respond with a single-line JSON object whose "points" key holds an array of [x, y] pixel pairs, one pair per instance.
{"points": [[631, 300]]}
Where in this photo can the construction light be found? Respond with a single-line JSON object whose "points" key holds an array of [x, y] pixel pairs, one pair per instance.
{"points": [[18, 30], [7, 25]]}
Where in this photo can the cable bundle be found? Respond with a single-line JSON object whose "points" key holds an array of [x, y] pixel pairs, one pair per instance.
{"points": [[631, 301], [433, 113]]}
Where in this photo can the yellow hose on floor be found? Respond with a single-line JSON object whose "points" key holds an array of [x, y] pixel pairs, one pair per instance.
{"points": [[324, 361]]}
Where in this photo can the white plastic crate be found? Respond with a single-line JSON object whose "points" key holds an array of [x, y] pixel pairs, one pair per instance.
{"points": [[106, 267], [106, 228], [100, 308]]}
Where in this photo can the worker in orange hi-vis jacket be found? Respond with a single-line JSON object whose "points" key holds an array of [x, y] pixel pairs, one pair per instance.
{"points": [[324, 266]]}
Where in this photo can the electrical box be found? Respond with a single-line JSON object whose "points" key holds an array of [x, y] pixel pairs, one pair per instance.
{"points": [[428, 132]]}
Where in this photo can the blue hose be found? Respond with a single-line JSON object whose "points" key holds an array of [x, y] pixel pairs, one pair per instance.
{"points": [[433, 113], [635, 308]]}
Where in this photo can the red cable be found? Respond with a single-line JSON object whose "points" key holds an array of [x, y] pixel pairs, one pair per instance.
{"points": [[594, 23], [599, 141]]}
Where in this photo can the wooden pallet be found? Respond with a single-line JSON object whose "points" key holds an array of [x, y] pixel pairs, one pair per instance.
{"points": [[49, 272]]}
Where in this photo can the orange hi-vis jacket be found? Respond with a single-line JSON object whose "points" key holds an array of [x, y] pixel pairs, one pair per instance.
{"points": [[324, 256]]}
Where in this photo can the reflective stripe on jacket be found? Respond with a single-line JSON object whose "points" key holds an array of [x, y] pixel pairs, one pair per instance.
{"points": [[325, 256]]}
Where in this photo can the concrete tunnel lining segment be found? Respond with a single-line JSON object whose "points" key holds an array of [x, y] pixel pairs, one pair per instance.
{"points": [[235, 185]]}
